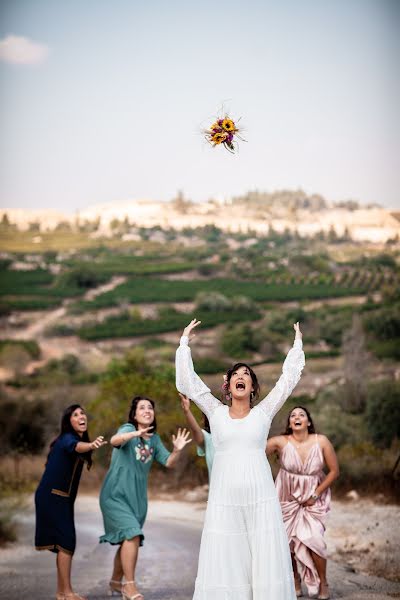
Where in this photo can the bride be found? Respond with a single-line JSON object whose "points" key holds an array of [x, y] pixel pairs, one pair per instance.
{"points": [[244, 552]]}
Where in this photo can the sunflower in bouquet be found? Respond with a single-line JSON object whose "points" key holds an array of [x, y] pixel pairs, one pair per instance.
{"points": [[223, 131]]}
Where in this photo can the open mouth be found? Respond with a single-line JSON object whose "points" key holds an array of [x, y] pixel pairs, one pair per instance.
{"points": [[82, 423], [297, 422], [240, 385]]}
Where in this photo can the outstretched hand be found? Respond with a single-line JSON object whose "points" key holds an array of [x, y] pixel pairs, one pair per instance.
{"points": [[181, 439], [185, 402], [189, 328], [296, 327], [144, 432], [98, 442]]}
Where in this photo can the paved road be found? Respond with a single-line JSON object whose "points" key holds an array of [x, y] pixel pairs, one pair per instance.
{"points": [[167, 562]]}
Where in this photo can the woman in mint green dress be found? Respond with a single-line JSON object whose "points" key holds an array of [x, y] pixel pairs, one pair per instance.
{"points": [[201, 435], [123, 497]]}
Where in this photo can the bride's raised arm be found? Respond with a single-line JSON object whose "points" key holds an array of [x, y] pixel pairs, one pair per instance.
{"points": [[187, 380], [291, 373]]}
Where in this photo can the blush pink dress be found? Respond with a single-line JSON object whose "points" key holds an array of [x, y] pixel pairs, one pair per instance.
{"points": [[305, 525]]}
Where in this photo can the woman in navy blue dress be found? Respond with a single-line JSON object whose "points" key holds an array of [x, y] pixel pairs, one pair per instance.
{"points": [[56, 493]]}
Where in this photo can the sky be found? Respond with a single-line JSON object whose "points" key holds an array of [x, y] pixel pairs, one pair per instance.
{"points": [[106, 101]]}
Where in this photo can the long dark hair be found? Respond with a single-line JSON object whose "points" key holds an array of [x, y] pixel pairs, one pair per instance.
{"points": [[256, 386], [132, 412], [66, 427], [310, 428]]}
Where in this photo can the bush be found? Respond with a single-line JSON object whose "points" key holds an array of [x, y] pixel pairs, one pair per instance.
{"points": [[283, 321], [363, 466], [212, 301], [23, 427], [239, 341], [81, 277], [339, 427], [384, 324], [30, 346], [383, 412], [14, 357], [385, 348], [210, 365]]}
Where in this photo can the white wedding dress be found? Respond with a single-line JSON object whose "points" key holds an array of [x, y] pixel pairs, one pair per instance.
{"points": [[244, 552]]}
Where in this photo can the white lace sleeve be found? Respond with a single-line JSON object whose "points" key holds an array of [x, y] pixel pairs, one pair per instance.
{"points": [[190, 384], [291, 373]]}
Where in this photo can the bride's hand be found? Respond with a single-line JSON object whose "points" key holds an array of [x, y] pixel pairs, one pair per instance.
{"points": [[189, 328], [296, 327]]}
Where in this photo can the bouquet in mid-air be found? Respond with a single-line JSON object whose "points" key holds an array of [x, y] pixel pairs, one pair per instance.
{"points": [[224, 131]]}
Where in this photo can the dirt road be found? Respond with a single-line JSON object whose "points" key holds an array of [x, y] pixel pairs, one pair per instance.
{"points": [[167, 563]]}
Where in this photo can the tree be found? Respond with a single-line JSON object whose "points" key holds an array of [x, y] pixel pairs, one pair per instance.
{"points": [[181, 204], [356, 360]]}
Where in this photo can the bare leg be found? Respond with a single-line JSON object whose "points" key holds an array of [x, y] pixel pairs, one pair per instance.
{"points": [[64, 562], [320, 565], [297, 580], [129, 555], [117, 574]]}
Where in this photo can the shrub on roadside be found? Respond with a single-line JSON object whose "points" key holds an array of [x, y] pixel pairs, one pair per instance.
{"points": [[383, 412]]}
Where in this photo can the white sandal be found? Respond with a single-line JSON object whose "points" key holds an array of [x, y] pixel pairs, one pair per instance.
{"points": [[134, 597], [113, 589]]}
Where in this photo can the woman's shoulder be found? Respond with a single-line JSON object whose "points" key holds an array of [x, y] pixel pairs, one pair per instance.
{"points": [[67, 435], [65, 441], [279, 441], [126, 427], [322, 439]]}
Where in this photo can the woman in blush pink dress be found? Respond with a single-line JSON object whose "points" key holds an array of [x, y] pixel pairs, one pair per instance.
{"points": [[304, 493]]}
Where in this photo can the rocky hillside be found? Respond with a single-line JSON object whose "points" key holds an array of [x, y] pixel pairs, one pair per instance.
{"points": [[260, 212]]}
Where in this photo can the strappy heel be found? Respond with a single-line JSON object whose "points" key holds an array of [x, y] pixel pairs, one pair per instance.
{"points": [[114, 590], [134, 597]]}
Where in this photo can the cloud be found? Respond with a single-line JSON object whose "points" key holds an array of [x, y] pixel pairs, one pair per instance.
{"points": [[20, 50]]}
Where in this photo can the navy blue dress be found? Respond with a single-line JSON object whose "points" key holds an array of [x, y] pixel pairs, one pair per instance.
{"points": [[55, 496]]}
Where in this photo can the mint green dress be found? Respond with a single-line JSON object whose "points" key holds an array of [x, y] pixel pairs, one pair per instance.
{"points": [[208, 451], [123, 496]]}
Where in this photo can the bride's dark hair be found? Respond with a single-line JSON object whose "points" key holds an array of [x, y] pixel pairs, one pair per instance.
{"points": [[256, 386]]}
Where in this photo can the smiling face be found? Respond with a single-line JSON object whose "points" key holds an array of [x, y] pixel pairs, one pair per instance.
{"points": [[144, 414], [78, 421], [298, 420], [241, 384]]}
